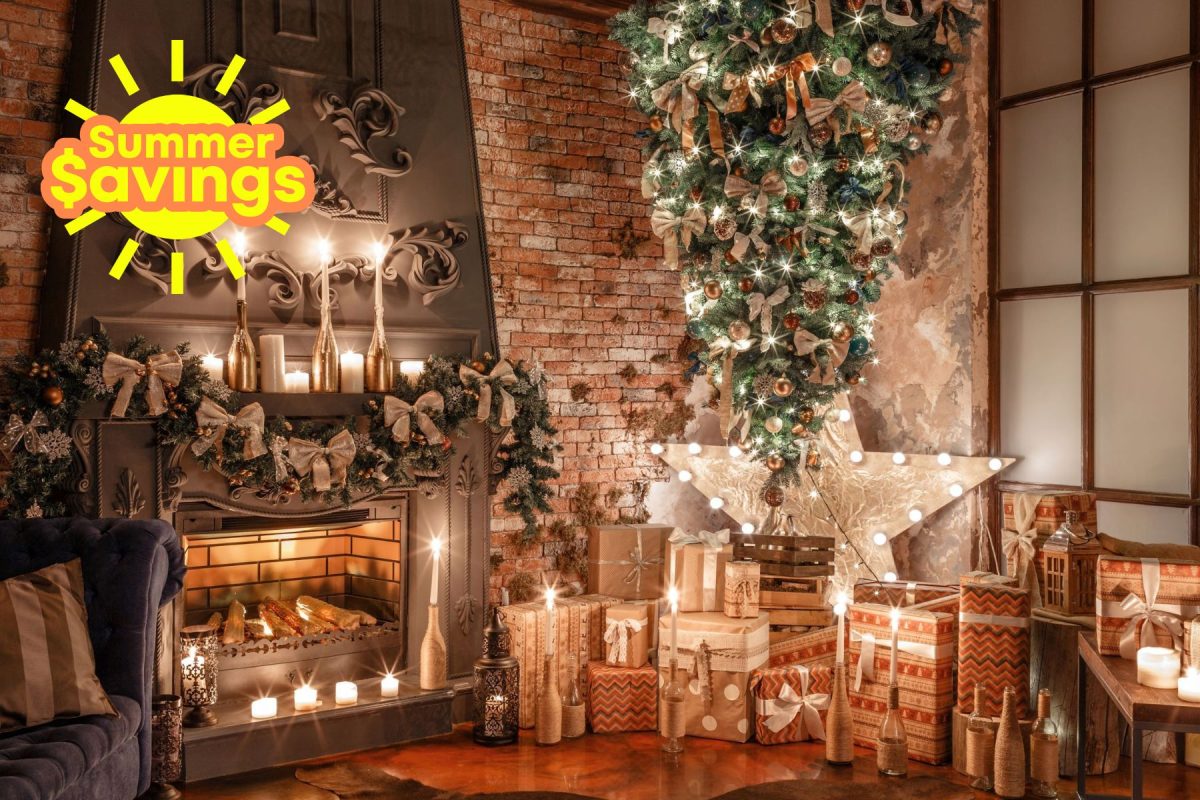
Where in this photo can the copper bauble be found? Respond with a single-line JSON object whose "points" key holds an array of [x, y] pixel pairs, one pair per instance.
{"points": [[913, 142], [746, 285], [791, 203], [856, 5], [776, 462], [783, 387], [777, 125], [52, 395], [765, 36], [739, 171], [696, 192], [882, 248], [773, 424], [791, 320], [869, 275], [656, 123], [813, 459], [841, 332], [806, 414], [945, 67], [851, 297], [478, 366], [842, 66], [783, 31], [932, 123], [860, 260], [739, 330], [798, 167], [879, 54], [773, 496], [853, 378], [820, 134], [713, 290]]}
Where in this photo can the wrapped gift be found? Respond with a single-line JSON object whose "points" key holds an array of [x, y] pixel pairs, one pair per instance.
{"points": [[1143, 602], [929, 732], [627, 634], [527, 631], [622, 698], [698, 565], [1029, 520], [926, 641], [1191, 643], [716, 656], [626, 561], [993, 642], [741, 589], [791, 702], [594, 606], [902, 593], [788, 647]]}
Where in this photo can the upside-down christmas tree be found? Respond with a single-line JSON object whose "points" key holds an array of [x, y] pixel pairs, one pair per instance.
{"points": [[776, 149]]}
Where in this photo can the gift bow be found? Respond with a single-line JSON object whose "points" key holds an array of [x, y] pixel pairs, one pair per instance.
{"points": [[792, 75], [668, 30], [159, 369], [251, 421], [947, 25], [398, 415], [872, 224], [741, 87], [763, 306], [782, 710], [679, 100], [616, 636], [756, 196], [327, 463], [801, 232], [742, 242], [899, 20], [637, 563], [1145, 616], [712, 540], [1020, 545], [501, 376], [805, 15], [851, 98], [665, 223], [726, 349], [17, 431], [807, 343]]}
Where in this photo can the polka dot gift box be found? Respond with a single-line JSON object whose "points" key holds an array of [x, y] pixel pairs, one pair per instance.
{"points": [[716, 657]]}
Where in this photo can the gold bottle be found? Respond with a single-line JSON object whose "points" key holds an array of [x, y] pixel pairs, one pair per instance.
{"points": [[325, 349], [379, 359], [241, 363]]}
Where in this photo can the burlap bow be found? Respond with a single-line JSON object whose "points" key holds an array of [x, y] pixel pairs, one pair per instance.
{"points": [[17, 431], [501, 377], [399, 415], [801, 233], [1145, 616], [616, 636], [756, 196], [327, 463], [1020, 545], [851, 98], [807, 343], [672, 228], [725, 349], [742, 242], [947, 26], [781, 711], [214, 421], [808, 11], [160, 369], [668, 30], [795, 84], [278, 445], [872, 225], [679, 99], [742, 88], [762, 305]]}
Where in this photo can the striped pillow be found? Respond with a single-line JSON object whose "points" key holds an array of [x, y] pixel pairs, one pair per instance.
{"points": [[45, 653]]}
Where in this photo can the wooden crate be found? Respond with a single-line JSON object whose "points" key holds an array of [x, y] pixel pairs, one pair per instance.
{"points": [[794, 592], [800, 617], [783, 555]]}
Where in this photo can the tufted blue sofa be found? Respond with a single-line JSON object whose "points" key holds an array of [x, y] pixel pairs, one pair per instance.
{"points": [[130, 569]]}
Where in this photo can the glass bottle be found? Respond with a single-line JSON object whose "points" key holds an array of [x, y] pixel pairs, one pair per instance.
{"points": [[573, 712], [673, 722], [325, 349], [241, 362], [891, 754], [379, 376], [981, 742], [1008, 762], [1043, 751]]}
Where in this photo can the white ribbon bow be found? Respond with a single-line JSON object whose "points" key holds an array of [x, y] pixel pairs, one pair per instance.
{"points": [[1019, 545], [673, 228], [327, 463], [807, 343], [781, 711], [17, 431], [251, 421], [616, 636], [668, 30], [1145, 616], [501, 376], [398, 415], [679, 100], [756, 196], [160, 369], [870, 225], [763, 306]]}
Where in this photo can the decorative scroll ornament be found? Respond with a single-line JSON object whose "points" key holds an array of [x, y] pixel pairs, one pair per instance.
{"points": [[371, 114], [327, 463], [240, 102], [128, 501], [500, 377], [465, 609], [287, 286], [755, 196], [161, 369], [329, 200], [399, 415], [665, 224], [432, 268], [212, 421], [17, 431]]}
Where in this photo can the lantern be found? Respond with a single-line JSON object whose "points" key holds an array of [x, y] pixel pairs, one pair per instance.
{"points": [[1069, 568], [198, 645], [497, 687]]}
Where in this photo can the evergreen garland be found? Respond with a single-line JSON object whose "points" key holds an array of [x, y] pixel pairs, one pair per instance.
{"points": [[835, 217], [58, 383]]}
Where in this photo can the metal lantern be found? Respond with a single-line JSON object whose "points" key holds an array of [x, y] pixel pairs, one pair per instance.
{"points": [[166, 746], [497, 687], [198, 648], [1069, 568]]}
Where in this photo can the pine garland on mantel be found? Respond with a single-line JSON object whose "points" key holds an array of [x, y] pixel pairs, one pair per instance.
{"points": [[44, 394]]}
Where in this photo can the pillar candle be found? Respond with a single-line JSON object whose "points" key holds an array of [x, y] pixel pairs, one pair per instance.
{"points": [[839, 608], [433, 579], [270, 348], [345, 693], [304, 698], [192, 660], [551, 627], [673, 599], [1189, 686], [389, 686], [296, 382], [263, 708], [1158, 667], [895, 644], [214, 366], [352, 373]]}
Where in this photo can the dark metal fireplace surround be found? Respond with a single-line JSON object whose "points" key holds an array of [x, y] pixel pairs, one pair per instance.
{"points": [[379, 106]]}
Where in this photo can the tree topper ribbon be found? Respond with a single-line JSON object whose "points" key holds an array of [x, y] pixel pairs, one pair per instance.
{"points": [[616, 636], [679, 100], [762, 305], [1144, 617], [782, 710], [398, 415], [805, 16], [726, 349], [501, 376], [1020, 545], [853, 97], [807, 343], [16, 431], [251, 421], [665, 223], [160, 369], [326, 463], [756, 196], [947, 25]]}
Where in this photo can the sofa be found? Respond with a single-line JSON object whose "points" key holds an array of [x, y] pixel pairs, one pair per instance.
{"points": [[131, 568]]}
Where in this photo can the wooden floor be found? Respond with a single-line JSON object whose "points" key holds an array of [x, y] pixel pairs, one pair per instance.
{"points": [[626, 767]]}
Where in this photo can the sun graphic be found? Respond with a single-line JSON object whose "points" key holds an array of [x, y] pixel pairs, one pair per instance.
{"points": [[177, 167]]}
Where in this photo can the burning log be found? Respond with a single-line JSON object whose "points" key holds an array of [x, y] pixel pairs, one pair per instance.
{"points": [[214, 621], [283, 621], [340, 617], [235, 625], [258, 629], [308, 626]]}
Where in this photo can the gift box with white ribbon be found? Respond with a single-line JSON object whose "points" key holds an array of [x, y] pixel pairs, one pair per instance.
{"points": [[1144, 602], [791, 703]]}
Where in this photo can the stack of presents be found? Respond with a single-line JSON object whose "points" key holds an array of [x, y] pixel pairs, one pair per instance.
{"points": [[752, 668]]}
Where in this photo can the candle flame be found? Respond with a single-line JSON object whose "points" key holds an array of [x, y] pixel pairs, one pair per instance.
{"points": [[378, 250], [323, 250], [436, 544], [673, 596], [550, 596], [238, 240]]}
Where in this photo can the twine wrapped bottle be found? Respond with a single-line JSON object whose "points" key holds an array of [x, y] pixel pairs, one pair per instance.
{"points": [[432, 673], [839, 727], [574, 721], [672, 723], [549, 725], [891, 743], [1009, 760], [981, 744], [1043, 751]]}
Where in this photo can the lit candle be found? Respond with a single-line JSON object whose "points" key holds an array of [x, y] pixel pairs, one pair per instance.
{"points": [[389, 686], [325, 255], [352, 373], [433, 579], [304, 698], [839, 608], [895, 643], [411, 370], [551, 627], [296, 382], [214, 366], [1189, 686], [345, 693], [494, 709], [238, 241], [263, 708], [379, 252], [270, 348], [195, 664], [1158, 667], [673, 599]]}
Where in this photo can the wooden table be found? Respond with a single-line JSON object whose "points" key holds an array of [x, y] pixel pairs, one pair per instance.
{"points": [[1143, 708]]}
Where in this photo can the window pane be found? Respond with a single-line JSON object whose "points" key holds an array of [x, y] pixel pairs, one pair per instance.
{"points": [[1142, 391], [1039, 44], [1040, 169], [1143, 523], [1142, 177], [1129, 34], [1040, 389]]}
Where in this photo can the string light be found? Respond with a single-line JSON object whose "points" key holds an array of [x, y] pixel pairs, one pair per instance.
{"points": [[735, 451], [955, 490], [694, 448], [889, 576], [843, 415], [856, 456], [684, 475], [898, 458], [994, 464], [747, 527], [944, 459], [656, 449], [915, 515], [716, 503], [880, 538]]}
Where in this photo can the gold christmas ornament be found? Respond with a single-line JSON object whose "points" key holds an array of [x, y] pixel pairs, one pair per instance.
{"points": [[841, 332], [773, 496], [776, 462], [842, 66], [52, 395], [879, 54], [783, 31], [739, 330], [932, 122], [713, 290], [798, 167], [806, 415], [783, 387], [773, 424]]}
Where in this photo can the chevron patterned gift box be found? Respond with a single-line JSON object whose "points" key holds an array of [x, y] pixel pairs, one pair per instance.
{"points": [[929, 732], [993, 642], [1132, 593], [791, 702], [622, 698]]}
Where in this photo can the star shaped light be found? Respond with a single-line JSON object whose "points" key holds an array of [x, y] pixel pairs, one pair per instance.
{"points": [[862, 499]]}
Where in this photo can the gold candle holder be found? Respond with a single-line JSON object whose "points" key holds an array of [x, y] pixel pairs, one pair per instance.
{"points": [[241, 362], [379, 374], [433, 654], [325, 349]]}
